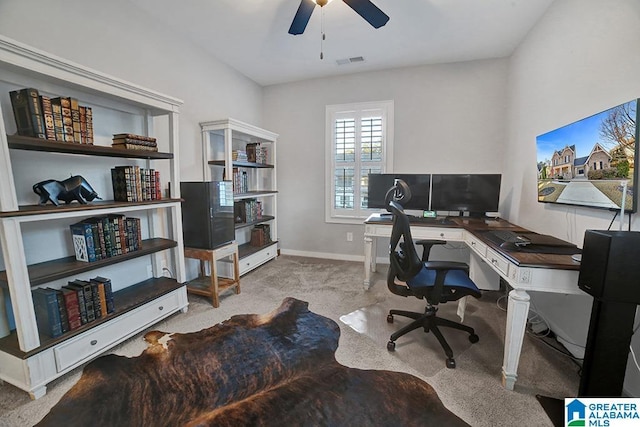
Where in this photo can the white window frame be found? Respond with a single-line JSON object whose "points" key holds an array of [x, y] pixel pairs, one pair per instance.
{"points": [[357, 214]]}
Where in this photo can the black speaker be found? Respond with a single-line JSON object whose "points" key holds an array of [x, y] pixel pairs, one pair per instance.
{"points": [[610, 266]]}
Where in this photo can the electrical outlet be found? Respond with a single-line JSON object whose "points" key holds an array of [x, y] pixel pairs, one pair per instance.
{"points": [[349, 236]]}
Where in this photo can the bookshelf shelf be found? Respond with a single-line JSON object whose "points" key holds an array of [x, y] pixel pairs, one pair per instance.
{"points": [[88, 209], [265, 218], [49, 271], [238, 164], [251, 180], [126, 300], [18, 142], [35, 239]]}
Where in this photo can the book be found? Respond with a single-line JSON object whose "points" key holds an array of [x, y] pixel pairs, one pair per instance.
{"points": [[102, 296], [78, 290], [70, 297], [45, 304], [87, 295], [122, 181], [67, 120], [98, 228], [108, 292], [134, 137], [121, 232], [83, 124], [95, 296], [89, 116], [62, 309], [58, 124], [83, 243], [47, 113], [28, 113], [75, 119]]}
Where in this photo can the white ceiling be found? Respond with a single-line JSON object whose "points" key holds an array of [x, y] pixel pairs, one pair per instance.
{"points": [[251, 35]]}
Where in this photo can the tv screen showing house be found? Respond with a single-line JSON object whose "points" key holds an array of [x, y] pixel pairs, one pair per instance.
{"points": [[586, 163]]}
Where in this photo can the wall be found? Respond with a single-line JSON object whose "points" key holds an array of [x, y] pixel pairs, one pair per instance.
{"points": [[577, 61], [448, 119], [116, 38]]}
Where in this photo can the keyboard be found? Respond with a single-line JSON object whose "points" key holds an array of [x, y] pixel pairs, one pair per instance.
{"points": [[429, 220], [510, 237]]}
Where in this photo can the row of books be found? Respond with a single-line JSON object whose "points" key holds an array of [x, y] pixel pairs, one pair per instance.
{"points": [[247, 210], [130, 141], [79, 302], [56, 119], [240, 181], [105, 236], [257, 153], [135, 184]]}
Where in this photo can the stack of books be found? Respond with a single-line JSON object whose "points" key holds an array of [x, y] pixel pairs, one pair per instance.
{"points": [[79, 302], [131, 141], [56, 119], [248, 210], [105, 236], [239, 155], [135, 184]]}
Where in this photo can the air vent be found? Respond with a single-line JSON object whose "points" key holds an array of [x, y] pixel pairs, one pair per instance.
{"points": [[352, 60]]}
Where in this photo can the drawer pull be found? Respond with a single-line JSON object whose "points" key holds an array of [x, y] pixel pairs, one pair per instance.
{"points": [[441, 234], [93, 342], [161, 308]]}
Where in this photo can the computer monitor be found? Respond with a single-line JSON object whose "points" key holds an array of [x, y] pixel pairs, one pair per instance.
{"points": [[379, 184], [476, 194]]}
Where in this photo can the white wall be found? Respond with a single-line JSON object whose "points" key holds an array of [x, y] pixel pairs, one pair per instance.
{"points": [[116, 38], [448, 119], [580, 59]]}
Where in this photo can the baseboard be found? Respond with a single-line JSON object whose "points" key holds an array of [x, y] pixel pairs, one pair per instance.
{"points": [[325, 255]]}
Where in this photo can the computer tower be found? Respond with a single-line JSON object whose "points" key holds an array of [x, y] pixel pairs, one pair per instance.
{"points": [[207, 214], [609, 271]]}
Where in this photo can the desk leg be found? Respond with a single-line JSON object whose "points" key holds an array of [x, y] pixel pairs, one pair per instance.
{"points": [[369, 260], [517, 311]]}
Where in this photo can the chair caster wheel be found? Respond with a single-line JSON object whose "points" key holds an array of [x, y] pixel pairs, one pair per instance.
{"points": [[391, 346], [390, 318], [473, 338], [451, 364]]}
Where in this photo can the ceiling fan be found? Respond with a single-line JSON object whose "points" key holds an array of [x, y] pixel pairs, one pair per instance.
{"points": [[364, 8]]}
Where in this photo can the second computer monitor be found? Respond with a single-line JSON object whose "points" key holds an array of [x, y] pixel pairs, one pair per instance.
{"points": [[476, 194]]}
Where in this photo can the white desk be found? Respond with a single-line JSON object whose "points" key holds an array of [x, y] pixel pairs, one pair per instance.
{"points": [[522, 271]]}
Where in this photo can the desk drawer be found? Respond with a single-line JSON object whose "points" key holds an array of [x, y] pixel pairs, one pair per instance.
{"points": [[498, 262], [102, 337], [477, 246], [449, 234]]}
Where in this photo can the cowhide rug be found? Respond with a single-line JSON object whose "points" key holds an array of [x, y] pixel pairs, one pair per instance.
{"points": [[277, 369]]}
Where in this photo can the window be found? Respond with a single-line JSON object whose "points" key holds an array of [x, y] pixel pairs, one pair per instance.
{"points": [[359, 141]]}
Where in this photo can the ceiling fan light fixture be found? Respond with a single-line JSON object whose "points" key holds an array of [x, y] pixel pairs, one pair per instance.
{"points": [[322, 3]]}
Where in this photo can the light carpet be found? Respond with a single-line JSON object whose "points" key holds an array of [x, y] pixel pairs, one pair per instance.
{"points": [[334, 289]]}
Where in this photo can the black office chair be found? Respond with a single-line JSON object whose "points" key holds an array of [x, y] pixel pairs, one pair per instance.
{"points": [[435, 281]]}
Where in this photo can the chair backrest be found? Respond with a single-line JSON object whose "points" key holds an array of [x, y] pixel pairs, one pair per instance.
{"points": [[403, 257]]}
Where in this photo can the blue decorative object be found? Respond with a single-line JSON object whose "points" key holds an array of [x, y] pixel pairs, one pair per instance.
{"points": [[73, 188]]}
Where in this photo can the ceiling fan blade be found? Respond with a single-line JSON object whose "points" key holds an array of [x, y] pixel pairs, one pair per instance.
{"points": [[369, 12], [301, 19]]}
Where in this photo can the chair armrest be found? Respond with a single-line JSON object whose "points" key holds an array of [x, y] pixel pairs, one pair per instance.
{"points": [[427, 244], [447, 265]]}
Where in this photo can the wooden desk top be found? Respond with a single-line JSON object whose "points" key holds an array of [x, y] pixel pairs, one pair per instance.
{"points": [[478, 227]]}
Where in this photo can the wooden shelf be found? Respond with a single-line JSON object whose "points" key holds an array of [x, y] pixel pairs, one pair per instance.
{"points": [[18, 142], [48, 271], [242, 164], [75, 207], [246, 249], [252, 194], [124, 301], [265, 218]]}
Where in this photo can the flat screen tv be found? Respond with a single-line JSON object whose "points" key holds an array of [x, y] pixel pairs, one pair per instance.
{"points": [[379, 184], [476, 194], [585, 163]]}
